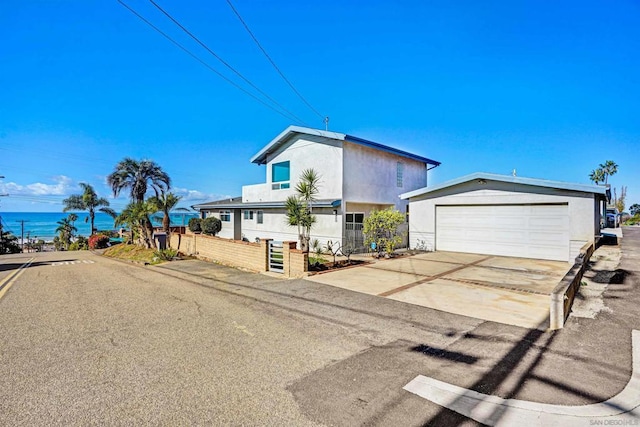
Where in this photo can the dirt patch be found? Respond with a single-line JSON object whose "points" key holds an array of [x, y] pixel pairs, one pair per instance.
{"points": [[332, 266], [602, 271]]}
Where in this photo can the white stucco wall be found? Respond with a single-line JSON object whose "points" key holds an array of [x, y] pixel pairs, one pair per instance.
{"points": [[423, 208], [227, 230], [370, 176], [303, 152], [327, 226]]}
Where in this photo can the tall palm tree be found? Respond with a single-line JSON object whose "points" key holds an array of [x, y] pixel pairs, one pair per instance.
{"points": [[87, 201], [137, 177], [608, 169], [165, 203]]}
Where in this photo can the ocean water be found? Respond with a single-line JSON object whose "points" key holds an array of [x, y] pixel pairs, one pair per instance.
{"points": [[44, 224]]}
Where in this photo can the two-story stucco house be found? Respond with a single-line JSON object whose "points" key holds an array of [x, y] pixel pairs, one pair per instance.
{"points": [[357, 177]]}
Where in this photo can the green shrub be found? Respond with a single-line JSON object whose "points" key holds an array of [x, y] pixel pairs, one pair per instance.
{"points": [[211, 226], [81, 244], [381, 230], [166, 254], [195, 225], [634, 220]]}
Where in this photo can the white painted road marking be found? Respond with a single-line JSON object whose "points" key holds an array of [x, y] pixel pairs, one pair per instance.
{"points": [[9, 280], [623, 408], [86, 261]]}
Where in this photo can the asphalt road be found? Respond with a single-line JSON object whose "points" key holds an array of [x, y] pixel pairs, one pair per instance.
{"points": [[87, 340]]}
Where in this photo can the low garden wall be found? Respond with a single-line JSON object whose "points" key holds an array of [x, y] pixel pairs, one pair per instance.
{"points": [[235, 253]]}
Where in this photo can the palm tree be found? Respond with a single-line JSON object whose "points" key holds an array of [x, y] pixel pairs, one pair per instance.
{"points": [[299, 206], [138, 176], [135, 215], [165, 203], [66, 230], [596, 176], [608, 169], [87, 201]]}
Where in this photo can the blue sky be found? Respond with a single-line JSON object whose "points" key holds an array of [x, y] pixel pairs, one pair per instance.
{"points": [[551, 89]]}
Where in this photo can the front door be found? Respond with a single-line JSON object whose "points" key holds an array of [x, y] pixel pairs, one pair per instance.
{"points": [[353, 236]]}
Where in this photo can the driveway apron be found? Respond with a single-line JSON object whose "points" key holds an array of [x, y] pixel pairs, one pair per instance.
{"points": [[514, 291]]}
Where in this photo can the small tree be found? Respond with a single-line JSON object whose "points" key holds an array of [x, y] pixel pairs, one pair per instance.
{"points": [[619, 202], [299, 206], [211, 225], [66, 229], [634, 209], [195, 225], [381, 229], [136, 216]]}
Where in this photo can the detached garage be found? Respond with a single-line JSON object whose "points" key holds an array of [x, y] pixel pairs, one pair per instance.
{"points": [[506, 215]]}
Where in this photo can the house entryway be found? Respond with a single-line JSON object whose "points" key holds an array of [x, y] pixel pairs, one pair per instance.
{"points": [[353, 235]]}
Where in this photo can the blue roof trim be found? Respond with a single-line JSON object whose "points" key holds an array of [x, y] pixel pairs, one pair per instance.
{"points": [[584, 188], [261, 157], [235, 204], [385, 148]]}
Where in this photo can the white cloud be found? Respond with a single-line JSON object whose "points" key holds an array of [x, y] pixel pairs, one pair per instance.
{"points": [[197, 196], [61, 186]]}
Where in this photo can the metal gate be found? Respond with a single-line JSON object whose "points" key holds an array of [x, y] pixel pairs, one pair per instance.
{"points": [[354, 238], [276, 257]]}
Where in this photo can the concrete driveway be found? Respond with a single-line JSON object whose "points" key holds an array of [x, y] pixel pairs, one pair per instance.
{"points": [[514, 291]]}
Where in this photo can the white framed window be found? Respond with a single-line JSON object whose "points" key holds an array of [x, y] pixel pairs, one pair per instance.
{"points": [[399, 173], [259, 217], [225, 216], [248, 214]]}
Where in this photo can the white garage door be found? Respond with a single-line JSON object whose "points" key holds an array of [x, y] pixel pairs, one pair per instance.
{"points": [[528, 231]]}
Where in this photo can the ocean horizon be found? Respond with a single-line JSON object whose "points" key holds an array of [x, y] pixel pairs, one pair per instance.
{"points": [[42, 225]]}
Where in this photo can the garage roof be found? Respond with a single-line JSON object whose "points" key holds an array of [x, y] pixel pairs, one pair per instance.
{"points": [[584, 188]]}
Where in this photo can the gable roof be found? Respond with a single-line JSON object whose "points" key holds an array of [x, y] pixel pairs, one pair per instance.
{"points": [[261, 157], [584, 188]]}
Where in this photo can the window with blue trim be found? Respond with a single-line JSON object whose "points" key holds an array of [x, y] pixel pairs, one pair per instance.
{"points": [[280, 175]]}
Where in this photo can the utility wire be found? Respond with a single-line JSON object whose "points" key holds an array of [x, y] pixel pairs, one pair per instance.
{"points": [[226, 64], [222, 76], [271, 60]]}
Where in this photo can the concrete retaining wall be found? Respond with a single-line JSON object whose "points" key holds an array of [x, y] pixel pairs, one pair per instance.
{"points": [[563, 295]]}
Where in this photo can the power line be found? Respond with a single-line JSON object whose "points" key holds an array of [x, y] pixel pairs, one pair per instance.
{"points": [[222, 76], [271, 60], [226, 64]]}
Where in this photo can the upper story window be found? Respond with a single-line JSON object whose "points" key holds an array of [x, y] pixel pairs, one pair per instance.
{"points": [[399, 173], [225, 216], [280, 175]]}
